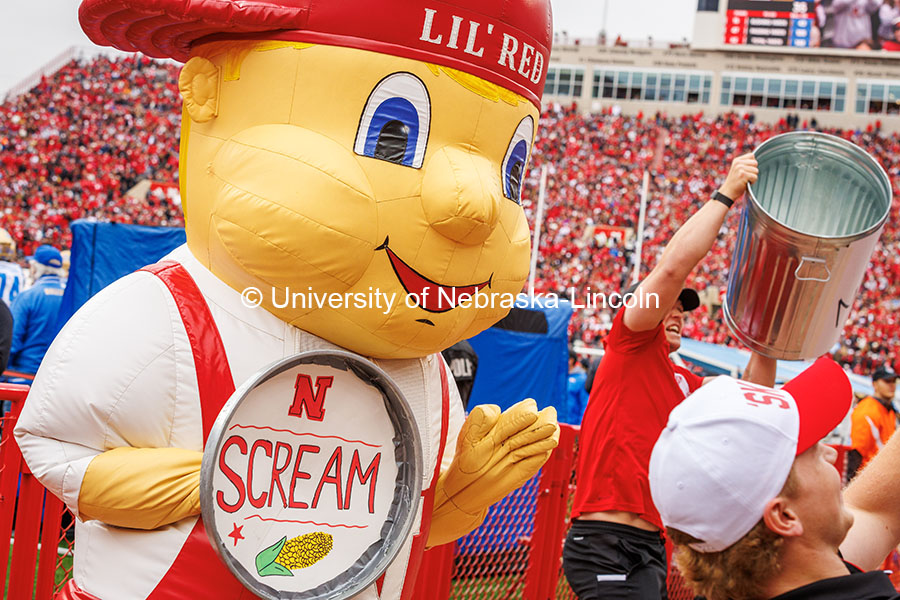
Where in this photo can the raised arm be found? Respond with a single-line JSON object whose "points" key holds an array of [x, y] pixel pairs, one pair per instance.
{"points": [[687, 248], [760, 370], [872, 498]]}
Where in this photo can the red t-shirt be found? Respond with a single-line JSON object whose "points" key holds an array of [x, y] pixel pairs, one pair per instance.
{"points": [[635, 388]]}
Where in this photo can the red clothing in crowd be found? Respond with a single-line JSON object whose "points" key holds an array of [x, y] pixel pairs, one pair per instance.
{"points": [[73, 145], [635, 388], [77, 141], [595, 164]]}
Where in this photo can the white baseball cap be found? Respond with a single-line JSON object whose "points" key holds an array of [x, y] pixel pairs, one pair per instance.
{"points": [[729, 447]]}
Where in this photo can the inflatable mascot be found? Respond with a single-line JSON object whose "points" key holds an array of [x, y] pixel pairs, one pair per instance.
{"points": [[369, 149]]}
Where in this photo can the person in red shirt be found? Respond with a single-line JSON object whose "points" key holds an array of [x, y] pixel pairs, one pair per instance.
{"points": [[614, 548]]}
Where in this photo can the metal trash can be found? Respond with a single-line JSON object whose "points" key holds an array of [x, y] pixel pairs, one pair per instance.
{"points": [[808, 229]]}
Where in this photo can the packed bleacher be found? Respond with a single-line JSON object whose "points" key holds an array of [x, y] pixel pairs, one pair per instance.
{"points": [[75, 144], [72, 146], [595, 165]]}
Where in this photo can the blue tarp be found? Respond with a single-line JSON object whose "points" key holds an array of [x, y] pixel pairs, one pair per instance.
{"points": [[513, 365], [104, 252]]}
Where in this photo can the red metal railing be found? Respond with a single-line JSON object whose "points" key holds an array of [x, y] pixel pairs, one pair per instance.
{"points": [[30, 517], [515, 554], [484, 570]]}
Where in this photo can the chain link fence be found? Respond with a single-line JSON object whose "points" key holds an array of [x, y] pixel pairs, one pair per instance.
{"points": [[38, 558], [491, 561], [517, 551]]}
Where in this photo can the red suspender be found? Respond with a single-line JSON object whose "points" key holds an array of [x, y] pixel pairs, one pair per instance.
{"points": [[197, 572], [445, 420], [214, 380], [418, 545]]}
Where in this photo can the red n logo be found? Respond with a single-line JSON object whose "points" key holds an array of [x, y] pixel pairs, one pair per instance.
{"points": [[303, 396]]}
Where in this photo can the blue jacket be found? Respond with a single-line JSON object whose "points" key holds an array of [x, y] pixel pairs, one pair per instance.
{"points": [[34, 323], [577, 398]]}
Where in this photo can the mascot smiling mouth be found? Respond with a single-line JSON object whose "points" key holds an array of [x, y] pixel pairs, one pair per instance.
{"points": [[432, 296]]}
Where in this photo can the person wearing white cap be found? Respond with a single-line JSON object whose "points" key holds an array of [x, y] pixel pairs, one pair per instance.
{"points": [[752, 501]]}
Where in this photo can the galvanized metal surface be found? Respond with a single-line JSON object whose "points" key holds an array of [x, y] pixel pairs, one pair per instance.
{"points": [[808, 229]]}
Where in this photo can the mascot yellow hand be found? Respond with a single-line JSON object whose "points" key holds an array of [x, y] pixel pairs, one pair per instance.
{"points": [[495, 454], [141, 488]]}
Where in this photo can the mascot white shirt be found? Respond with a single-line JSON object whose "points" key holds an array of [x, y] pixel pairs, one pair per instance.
{"points": [[143, 393]]}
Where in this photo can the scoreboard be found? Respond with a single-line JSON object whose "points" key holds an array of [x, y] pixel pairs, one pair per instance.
{"points": [[769, 23]]}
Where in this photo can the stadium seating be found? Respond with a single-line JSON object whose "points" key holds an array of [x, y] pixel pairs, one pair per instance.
{"points": [[595, 164], [72, 146]]}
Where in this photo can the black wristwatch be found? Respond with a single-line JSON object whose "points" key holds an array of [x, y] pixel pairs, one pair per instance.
{"points": [[723, 199]]}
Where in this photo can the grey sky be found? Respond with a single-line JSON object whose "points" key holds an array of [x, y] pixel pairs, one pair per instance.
{"points": [[668, 20], [36, 32]]}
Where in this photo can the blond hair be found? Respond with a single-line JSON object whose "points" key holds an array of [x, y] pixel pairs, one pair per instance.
{"points": [[482, 87], [739, 572], [236, 51]]}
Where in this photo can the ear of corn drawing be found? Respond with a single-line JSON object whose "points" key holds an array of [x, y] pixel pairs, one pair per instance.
{"points": [[300, 552]]}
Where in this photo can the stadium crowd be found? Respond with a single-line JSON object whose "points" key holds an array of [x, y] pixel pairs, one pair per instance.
{"points": [[76, 143], [595, 165], [72, 146]]}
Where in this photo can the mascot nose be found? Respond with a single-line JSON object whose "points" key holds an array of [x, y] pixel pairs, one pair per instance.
{"points": [[461, 195]]}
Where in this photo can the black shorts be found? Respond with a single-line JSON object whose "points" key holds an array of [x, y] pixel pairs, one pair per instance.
{"points": [[609, 561]]}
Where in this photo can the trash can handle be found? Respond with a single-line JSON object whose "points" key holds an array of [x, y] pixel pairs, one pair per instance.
{"points": [[815, 260]]}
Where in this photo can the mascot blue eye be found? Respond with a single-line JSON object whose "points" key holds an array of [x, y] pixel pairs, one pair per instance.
{"points": [[514, 171], [395, 121], [516, 159]]}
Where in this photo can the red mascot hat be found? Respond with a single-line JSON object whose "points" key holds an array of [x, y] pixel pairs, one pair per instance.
{"points": [[506, 42]]}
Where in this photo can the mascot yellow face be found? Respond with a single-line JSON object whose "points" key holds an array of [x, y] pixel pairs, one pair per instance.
{"points": [[370, 199]]}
